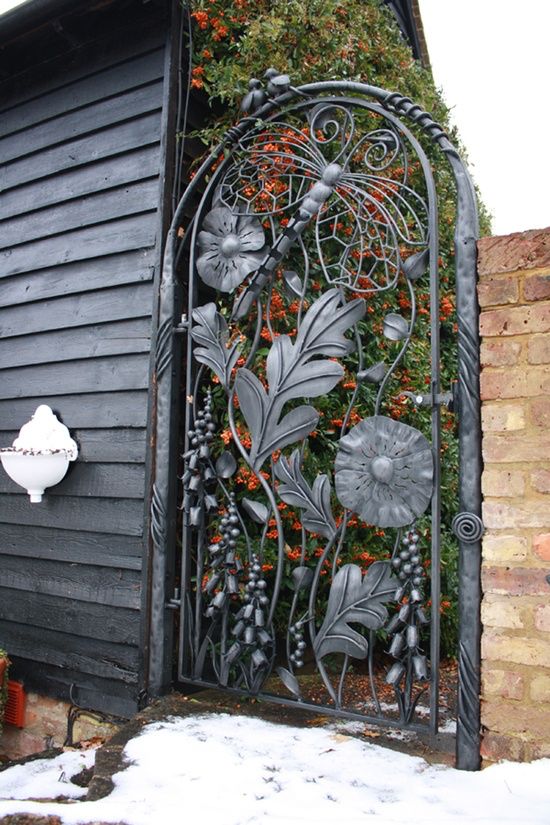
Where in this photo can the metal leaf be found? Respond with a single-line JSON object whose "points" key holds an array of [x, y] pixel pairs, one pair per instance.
{"points": [[306, 381], [323, 327], [415, 266], [395, 327], [225, 465], [315, 502], [295, 426], [211, 333], [257, 511], [293, 284], [289, 681], [252, 401], [302, 576], [354, 598], [373, 374], [291, 375]]}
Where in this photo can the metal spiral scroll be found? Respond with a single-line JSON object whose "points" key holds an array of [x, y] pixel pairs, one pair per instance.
{"points": [[302, 192], [467, 527]]}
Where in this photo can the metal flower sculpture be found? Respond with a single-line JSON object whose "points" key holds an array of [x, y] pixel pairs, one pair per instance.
{"points": [[384, 472], [321, 220], [231, 247]]}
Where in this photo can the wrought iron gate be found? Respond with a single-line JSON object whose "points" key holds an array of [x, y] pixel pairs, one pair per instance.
{"points": [[312, 272]]}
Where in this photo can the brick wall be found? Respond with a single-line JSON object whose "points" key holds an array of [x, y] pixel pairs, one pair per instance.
{"points": [[514, 295], [45, 727]]}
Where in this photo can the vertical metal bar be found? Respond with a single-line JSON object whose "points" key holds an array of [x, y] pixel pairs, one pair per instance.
{"points": [[468, 525], [162, 518], [185, 647], [150, 578], [435, 568]]}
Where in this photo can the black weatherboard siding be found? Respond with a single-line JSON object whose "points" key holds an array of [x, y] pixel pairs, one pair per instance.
{"points": [[91, 96], [82, 179]]}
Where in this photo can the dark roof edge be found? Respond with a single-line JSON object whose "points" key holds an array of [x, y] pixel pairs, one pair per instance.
{"points": [[34, 13], [409, 20], [422, 44]]}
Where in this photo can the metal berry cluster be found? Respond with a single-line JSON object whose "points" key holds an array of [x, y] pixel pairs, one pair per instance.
{"points": [[297, 657], [405, 625], [408, 562], [198, 470], [225, 566], [249, 629]]}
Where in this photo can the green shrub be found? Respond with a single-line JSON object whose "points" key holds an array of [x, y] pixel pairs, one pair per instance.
{"points": [[234, 40]]}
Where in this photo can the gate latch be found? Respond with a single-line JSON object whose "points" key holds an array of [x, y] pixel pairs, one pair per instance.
{"points": [[431, 399], [175, 602]]}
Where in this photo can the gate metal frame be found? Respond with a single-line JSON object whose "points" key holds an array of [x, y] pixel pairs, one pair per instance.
{"points": [[467, 524]]}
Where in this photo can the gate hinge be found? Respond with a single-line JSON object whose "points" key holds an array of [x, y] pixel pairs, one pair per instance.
{"points": [[175, 602], [446, 399]]}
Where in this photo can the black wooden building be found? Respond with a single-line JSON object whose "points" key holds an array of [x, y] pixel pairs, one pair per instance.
{"points": [[91, 98]]}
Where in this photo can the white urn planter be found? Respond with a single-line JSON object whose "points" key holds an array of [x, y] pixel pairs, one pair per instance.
{"points": [[40, 456]]}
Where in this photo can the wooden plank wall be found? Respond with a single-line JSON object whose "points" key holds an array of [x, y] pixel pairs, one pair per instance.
{"points": [[79, 182]]}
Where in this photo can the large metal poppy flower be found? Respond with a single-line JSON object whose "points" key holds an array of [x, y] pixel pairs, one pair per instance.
{"points": [[231, 247], [384, 472]]}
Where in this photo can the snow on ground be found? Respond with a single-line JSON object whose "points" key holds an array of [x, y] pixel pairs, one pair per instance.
{"points": [[45, 778], [233, 770]]}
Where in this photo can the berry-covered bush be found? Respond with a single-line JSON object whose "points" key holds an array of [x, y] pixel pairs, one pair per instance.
{"points": [[235, 40]]}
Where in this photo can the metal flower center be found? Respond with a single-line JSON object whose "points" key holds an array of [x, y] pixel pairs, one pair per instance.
{"points": [[231, 245], [382, 469]]}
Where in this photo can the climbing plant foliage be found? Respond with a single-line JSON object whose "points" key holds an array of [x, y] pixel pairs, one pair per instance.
{"points": [[235, 40]]}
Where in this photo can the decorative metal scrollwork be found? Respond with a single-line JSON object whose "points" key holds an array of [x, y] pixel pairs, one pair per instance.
{"points": [[318, 210], [468, 527]]}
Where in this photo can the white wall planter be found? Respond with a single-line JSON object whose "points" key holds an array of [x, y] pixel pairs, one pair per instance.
{"points": [[40, 456]]}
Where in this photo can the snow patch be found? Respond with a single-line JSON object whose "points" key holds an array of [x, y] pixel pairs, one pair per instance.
{"points": [[233, 770]]}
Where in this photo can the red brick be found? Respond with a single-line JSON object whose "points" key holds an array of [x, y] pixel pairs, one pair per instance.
{"points": [[507, 253], [500, 549], [540, 480], [516, 581], [536, 288], [537, 750], [503, 384], [539, 688], [538, 349], [46, 718], [515, 320], [498, 481], [499, 448], [505, 683], [495, 747], [503, 611], [516, 717], [515, 383], [542, 616], [502, 647], [540, 413], [502, 417], [538, 381], [500, 353], [496, 291], [541, 546], [503, 514]]}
